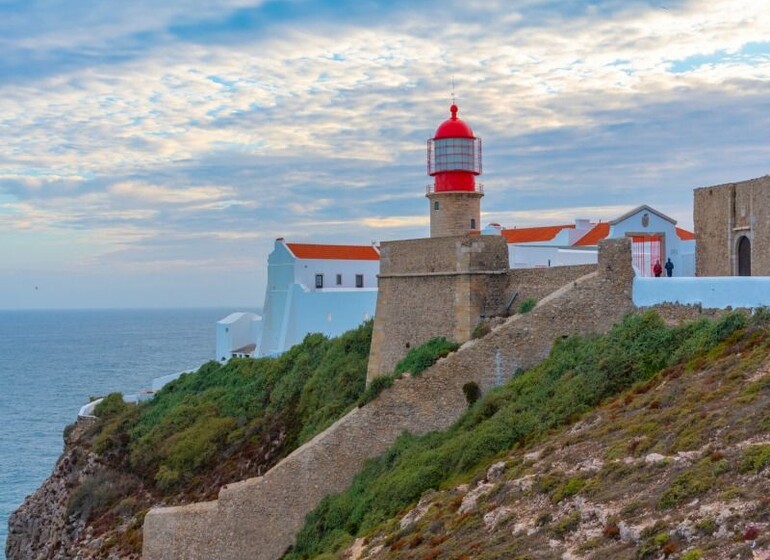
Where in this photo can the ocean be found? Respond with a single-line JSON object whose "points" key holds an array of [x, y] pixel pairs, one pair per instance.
{"points": [[51, 362]]}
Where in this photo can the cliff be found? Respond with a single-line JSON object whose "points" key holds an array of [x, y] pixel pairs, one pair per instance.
{"points": [[46, 527]]}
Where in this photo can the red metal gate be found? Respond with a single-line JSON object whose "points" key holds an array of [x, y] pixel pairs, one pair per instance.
{"points": [[646, 252]]}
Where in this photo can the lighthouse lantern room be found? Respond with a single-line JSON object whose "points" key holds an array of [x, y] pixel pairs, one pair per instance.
{"points": [[454, 160]]}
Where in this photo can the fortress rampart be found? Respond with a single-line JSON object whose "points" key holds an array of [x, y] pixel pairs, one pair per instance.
{"points": [[257, 519], [443, 286]]}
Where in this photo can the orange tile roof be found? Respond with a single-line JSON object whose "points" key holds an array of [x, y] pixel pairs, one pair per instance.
{"points": [[531, 234], [341, 252], [599, 232], [685, 235]]}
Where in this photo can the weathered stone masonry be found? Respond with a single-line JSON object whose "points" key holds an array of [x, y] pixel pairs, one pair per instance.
{"points": [[257, 519], [444, 286], [724, 214]]}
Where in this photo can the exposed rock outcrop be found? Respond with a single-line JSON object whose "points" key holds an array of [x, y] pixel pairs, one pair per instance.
{"points": [[43, 528]]}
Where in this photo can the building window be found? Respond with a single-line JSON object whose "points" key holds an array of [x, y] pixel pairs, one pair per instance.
{"points": [[435, 204], [473, 223], [359, 280], [339, 279], [319, 281]]}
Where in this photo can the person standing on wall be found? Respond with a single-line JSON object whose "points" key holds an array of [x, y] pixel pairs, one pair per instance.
{"points": [[657, 269], [669, 268]]}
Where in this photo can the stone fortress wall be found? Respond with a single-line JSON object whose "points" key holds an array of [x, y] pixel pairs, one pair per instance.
{"points": [[443, 286], [259, 518], [432, 287], [725, 213]]}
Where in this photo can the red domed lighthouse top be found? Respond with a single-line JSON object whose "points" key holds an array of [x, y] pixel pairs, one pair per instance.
{"points": [[454, 156], [453, 127]]}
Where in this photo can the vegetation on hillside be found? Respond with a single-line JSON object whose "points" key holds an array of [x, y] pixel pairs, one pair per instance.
{"points": [[416, 361], [580, 373], [204, 417], [223, 423]]}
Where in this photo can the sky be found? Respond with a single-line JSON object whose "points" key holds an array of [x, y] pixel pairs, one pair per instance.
{"points": [[151, 152]]}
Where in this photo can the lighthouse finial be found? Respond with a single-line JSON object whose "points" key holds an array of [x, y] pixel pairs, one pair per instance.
{"points": [[453, 108]]}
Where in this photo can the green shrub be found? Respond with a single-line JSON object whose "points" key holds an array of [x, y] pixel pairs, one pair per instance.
{"points": [[761, 317], [568, 489], [527, 305], [472, 392], [99, 493], [707, 526], [566, 525], [421, 358], [693, 554], [481, 329], [755, 458], [375, 387], [110, 406], [693, 482]]}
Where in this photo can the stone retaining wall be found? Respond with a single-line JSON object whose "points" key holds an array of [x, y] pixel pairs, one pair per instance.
{"points": [[257, 519]]}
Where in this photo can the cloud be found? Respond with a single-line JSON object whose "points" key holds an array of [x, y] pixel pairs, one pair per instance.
{"points": [[237, 122], [164, 195]]}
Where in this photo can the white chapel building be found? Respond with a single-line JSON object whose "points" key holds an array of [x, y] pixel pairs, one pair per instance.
{"points": [[311, 288]]}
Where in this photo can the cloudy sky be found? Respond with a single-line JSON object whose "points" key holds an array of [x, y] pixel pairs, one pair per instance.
{"points": [[151, 151]]}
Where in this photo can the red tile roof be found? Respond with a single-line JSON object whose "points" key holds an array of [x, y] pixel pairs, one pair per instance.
{"points": [[531, 234], [685, 235], [599, 232], [341, 252]]}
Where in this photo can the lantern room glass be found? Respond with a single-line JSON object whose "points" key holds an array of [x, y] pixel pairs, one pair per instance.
{"points": [[454, 154]]}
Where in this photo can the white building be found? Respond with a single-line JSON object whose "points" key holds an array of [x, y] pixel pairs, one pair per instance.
{"points": [[237, 335], [327, 289], [655, 237]]}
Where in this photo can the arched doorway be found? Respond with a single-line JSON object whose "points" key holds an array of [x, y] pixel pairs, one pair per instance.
{"points": [[744, 256]]}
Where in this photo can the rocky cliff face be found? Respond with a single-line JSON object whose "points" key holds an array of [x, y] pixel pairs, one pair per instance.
{"points": [[93, 507], [46, 526]]}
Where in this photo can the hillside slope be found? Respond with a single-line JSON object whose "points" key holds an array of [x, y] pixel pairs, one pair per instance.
{"points": [[674, 467]]}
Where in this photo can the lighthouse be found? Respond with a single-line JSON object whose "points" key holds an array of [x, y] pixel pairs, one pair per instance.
{"points": [[454, 160]]}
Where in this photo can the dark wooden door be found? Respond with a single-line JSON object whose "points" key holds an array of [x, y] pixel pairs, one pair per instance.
{"points": [[744, 256]]}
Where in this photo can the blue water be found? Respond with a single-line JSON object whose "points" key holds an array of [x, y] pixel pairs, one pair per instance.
{"points": [[51, 362]]}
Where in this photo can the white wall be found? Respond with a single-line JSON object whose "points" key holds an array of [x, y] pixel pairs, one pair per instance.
{"points": [[306, 269], [329, 312], [542, 256], [235, 331], [681, 253], [716, 292], [294, 307]]}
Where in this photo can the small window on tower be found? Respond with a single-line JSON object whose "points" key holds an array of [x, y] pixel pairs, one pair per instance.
{"points": [[359, 280], [435, 204], [473, 223], [319, 281], [339, 279]]}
